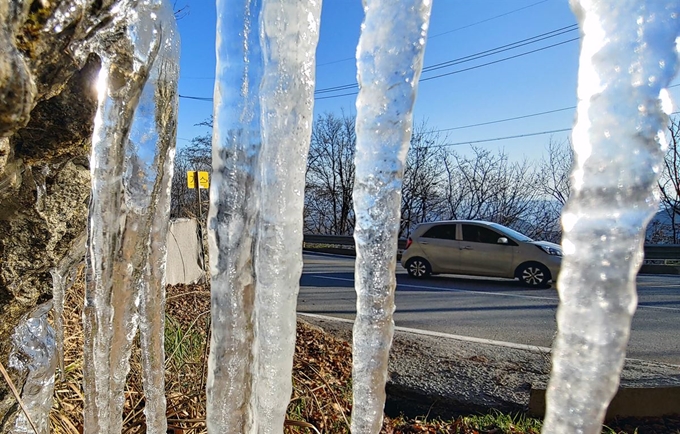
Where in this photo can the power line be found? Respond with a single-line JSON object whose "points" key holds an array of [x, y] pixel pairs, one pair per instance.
{"points": [[450, 31], [465, 69], [335, 96], [486, 20], [496, 139], [498, 61], [475, 56], [503, 48], [428, 38], [518, 136], [197, 98], [498, 121], [531, 115]]}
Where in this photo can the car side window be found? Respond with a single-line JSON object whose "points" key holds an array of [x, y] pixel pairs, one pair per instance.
{"points": [[480, 234], [444, 232]]}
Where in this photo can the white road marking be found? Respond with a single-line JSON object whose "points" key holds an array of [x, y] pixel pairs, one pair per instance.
{"points": [[675, 309], [467, 291], [651, 285], [443, 335]]}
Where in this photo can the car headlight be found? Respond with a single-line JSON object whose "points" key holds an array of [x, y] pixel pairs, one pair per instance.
{"points": [[551, 250]]}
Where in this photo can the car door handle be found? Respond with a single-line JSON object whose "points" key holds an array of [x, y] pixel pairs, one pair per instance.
{"points": [[424, 242], [466, 248]]}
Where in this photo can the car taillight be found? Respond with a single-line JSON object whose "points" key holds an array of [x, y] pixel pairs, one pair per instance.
{"points": [[408, 242]]}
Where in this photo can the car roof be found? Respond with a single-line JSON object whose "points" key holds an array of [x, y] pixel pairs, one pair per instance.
{"points": [[439, 222], [426, 225]]}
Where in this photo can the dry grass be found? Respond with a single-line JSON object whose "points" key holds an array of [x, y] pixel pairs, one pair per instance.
{"points": [[321, 391]]}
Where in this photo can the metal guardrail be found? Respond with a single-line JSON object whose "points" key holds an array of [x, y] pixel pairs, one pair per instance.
{"points": [[670, 253], [662, 251], [339, 240]]}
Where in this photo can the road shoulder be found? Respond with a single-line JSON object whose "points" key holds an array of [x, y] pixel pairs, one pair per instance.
{"points": [[445, 376]]}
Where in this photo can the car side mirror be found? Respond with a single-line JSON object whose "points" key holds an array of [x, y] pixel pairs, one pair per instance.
{"points": [[502, 240]]}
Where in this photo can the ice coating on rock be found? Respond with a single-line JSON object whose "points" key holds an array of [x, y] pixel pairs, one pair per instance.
{"points": [[65, 15], [63, 277], [131, 173], [231, 218], [290, 32], [628, 58], [34, 351], [389, 62]]}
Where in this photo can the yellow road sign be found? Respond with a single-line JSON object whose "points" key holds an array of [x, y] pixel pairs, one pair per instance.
{"points": [[203, 179]]}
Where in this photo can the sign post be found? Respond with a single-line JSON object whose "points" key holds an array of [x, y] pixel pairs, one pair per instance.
{"points": [[199, 180]]}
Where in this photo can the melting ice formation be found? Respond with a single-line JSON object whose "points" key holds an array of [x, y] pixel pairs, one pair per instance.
{"points": [[130, 203], [628, 58], [263, 100]]}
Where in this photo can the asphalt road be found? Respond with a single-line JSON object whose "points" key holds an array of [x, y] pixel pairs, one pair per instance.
{"points": [[499, 310]]}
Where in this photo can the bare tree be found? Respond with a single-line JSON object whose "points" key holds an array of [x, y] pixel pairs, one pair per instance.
{"points": [[422, 199], [669, 188], [196, 156], [555, 171], [487, 186], [554, 188], [330, 176]]}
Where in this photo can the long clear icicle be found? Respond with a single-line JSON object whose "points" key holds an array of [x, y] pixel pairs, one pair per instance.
{"points": [[154, 139], [290, 32], [231, 218], [128, 210], [628, 58], [389, 62], [260, 142]]}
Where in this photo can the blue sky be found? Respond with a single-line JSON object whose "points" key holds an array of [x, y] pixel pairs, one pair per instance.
{"points": [[543, 81]]}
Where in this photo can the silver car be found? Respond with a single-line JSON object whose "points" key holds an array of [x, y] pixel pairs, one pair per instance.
{"points": [[480, 248]]}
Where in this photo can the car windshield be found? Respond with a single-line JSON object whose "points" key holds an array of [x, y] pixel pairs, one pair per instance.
{"points": [[514, 234]]}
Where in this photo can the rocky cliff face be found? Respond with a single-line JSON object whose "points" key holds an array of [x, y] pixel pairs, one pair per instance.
{"points": [[47, 106]]}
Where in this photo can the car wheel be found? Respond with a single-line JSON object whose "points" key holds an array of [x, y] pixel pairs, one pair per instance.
{"points": [[418, 268], [534, 275]]}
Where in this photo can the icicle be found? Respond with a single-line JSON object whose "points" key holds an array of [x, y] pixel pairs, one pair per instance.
{"points": [[129, 211], [153, 196], [231, 219], [389, 61], [628, 58], [34, 351], [63, 277], [290, 32], [249, 381]]}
